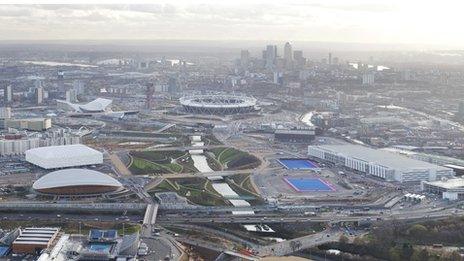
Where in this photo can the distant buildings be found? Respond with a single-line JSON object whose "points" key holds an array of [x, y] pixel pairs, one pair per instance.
{"points": [[368, 79], [33, 124], [17, 144]]}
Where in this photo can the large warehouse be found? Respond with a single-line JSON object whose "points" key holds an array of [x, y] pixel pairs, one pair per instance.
{"points": [[53, 157], [383, 164], [452, 189], [76, 182]]}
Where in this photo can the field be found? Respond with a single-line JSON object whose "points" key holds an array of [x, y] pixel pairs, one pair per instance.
{"points": [[160, 162]]}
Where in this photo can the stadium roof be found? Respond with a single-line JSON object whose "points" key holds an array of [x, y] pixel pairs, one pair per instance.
{"points": [[74, 177], [380, 157]]}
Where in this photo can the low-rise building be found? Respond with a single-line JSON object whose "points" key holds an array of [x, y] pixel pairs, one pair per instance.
{"points": [[33, 239], [33, 124], [380, 163]]}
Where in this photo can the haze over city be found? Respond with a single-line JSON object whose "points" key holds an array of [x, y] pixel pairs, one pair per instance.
{"points": [[232, 130]]}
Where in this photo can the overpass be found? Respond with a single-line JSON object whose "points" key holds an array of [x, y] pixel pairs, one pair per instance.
{"points": [[150, 214]]}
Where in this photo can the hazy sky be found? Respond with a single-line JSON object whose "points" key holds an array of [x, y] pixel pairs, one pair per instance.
{"points": [[366, 21]]}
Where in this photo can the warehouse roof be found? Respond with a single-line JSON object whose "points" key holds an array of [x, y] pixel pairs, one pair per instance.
{"points": [[448, 184], [380, 157]]}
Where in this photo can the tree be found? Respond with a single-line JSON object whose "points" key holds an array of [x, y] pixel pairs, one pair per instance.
{"points": [[343, 239], [420, 255], [418, 231]]}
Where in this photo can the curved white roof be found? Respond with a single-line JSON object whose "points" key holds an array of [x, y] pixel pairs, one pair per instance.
{"points": [[74, 177]]}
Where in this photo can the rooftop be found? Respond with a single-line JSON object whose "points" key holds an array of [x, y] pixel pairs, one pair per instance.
{"points": [[52, 152], [75, 177], [381, 157], [448, 184]]}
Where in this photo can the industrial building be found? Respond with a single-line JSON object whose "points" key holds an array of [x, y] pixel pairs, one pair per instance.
{"points": [[33, 124], [53, 157], [452, 189], [294, 135], [32, 240], [380, 163], [68, 182]]}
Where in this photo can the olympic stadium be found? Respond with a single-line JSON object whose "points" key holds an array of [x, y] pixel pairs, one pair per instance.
{"points": [[219, 104], [76, 182]]}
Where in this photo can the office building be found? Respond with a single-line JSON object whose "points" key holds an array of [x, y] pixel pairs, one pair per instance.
{"points": [[71, 96], [288, 55], [7, 94], [244, 59], [5, 113], [380, 163], [270, 56], [33, 124], [368, 79], [300, 61], [39, 95]]}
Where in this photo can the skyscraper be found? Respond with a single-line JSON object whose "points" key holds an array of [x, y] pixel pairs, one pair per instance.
{"points": [[271, 56], [288, 55], [7, 94], [39, 95], [299, 59], [244, 59], [330, 58]]}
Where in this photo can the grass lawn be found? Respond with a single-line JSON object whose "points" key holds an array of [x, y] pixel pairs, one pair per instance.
{"points": [[197, 190], [231, 158], [161, 162]]}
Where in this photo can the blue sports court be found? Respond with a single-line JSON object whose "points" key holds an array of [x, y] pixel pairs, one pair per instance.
{"points": [[298, 164], [309, 184]]}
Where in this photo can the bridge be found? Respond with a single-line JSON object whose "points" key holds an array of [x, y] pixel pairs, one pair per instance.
{"points": [[150, 214]]}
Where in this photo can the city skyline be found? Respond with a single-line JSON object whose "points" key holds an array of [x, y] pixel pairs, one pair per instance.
{"points": [[321, 21]]}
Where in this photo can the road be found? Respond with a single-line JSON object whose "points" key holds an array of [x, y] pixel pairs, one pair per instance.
{"points": [[119, 165], [294, 245]]}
